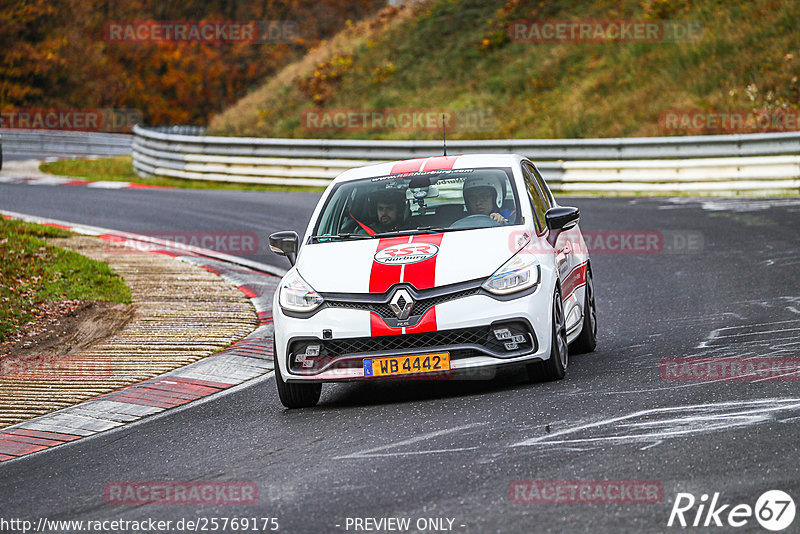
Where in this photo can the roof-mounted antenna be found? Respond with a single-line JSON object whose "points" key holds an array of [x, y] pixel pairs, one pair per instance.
{"points": [[444, 136]]}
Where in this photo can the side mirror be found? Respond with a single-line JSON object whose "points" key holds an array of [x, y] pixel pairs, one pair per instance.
{"points": [[560, 219], [284, 244]]}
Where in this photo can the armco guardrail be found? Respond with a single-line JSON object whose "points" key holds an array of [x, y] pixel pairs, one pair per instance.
{"points": [[699, 163], [47, 143]]}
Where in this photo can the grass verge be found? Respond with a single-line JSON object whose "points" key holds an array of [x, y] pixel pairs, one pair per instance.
{"points": [[120, 169], [34, 272]]}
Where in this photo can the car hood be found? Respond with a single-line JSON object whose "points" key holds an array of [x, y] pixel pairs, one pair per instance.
{"points": [[423, 261]]}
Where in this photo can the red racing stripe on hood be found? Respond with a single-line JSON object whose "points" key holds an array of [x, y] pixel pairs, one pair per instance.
{"points": [[422, 275], [382, 276]]}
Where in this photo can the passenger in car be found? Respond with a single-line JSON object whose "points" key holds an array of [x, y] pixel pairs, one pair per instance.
{"points": [[480, 198]]}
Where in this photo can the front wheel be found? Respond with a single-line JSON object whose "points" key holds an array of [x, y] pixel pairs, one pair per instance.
{"points": [[295, 395], [555, 367]]}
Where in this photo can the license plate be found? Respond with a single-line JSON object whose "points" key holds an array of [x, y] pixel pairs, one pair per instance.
{"points": [[406, 365]]}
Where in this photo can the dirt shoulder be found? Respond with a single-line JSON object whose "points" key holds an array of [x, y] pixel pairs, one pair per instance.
{"points": [[66, 328]]}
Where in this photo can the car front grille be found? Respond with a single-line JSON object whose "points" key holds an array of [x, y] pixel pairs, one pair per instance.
{"points": [[467, 336], [420, 306], [461, 343]]}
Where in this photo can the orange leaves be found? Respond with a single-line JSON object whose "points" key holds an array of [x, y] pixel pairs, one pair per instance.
{"points": [[320, 85], [55, 54]]}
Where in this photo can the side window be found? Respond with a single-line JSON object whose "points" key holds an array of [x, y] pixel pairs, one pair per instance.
{"points": [[537, 202], [548, 196]]}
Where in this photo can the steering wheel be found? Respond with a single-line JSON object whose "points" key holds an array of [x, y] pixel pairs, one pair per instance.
{"points": [[475, 221]]}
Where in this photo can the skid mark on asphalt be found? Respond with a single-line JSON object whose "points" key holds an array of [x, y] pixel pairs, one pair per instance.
{"points": [[781, 259], [377, 451], [645, 429], [774, 339], [649, 428], [639, 391], [778, 338], [701, 319], [771, 331]]}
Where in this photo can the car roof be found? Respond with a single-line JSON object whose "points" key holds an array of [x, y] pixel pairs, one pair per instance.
{"points": [[463, 161]]}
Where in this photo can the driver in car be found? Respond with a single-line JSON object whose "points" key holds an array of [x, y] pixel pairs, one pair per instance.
{"points": [[390, 206], [480, 198]]}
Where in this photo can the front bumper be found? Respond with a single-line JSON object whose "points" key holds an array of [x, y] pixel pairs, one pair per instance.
{"points": [[464, 327]]}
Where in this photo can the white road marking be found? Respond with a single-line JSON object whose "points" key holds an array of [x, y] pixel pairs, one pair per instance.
{"points": [[654, 444], [391, 454], [719, 333], [659, 424], [759, 332], [376, 451]]}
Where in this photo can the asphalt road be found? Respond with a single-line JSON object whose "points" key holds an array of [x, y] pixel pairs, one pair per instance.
{"points": [[15, 157], [453, 449], [173, 213]]}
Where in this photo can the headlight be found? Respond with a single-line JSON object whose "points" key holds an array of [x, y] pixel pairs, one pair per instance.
{"points": [[518, 273], [297, 296]]}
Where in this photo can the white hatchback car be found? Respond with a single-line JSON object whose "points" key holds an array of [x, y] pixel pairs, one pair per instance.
{"points": [[432, 268]]}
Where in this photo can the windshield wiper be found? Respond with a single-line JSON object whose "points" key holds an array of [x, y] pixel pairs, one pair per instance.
{"points": [[418, 230], [345, 235]]}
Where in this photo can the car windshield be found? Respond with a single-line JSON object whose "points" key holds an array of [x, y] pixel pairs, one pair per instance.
{"points": [[419, 202]]}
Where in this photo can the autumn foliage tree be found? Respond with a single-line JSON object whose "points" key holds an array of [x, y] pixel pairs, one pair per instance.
{"points": [[55, 54]]}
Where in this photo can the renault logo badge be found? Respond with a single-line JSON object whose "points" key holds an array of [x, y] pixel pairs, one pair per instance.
{"points": [[401, 304]]}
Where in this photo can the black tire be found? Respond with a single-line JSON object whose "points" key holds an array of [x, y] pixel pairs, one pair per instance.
{"points": [[295, 395], [555, 367], [587, 340]]}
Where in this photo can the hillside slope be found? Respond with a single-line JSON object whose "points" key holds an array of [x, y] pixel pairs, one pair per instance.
{"points": [[457, 56]]}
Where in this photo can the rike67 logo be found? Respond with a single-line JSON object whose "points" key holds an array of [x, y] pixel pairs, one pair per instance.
{"points": [[774, 510]]}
